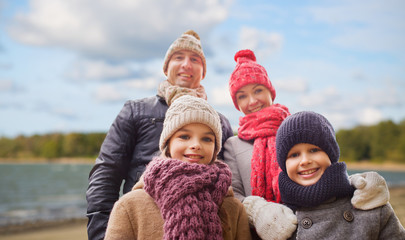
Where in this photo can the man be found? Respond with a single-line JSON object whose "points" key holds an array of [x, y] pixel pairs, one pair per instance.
{"points": [[133, 138]]}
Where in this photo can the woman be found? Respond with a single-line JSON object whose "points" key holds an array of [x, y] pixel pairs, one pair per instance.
{"points": [[251, 155]]}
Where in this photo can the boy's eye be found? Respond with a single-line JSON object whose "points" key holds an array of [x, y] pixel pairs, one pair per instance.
{"points": [[293, 155], [314, 150]]}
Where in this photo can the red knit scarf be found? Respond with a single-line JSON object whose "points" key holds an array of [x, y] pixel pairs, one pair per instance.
{"points": [[189, 196], [262, 126]]}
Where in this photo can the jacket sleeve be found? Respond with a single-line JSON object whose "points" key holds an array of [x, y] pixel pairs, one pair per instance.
{"points": [[106, 177], [230, 160], [226, 133], [390, 227]]}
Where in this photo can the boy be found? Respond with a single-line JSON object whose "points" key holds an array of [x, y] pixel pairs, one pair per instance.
{"points": [[316, 186]]}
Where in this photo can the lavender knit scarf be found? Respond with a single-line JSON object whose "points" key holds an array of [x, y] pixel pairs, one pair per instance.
{"points": [[189, 196], [333, 183]]}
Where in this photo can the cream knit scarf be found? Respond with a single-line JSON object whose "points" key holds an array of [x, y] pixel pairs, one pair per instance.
{"points": [[171, 92]]}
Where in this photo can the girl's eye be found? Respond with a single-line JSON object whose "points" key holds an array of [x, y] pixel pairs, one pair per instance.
{"points": [[208, 139], [184, 137]]}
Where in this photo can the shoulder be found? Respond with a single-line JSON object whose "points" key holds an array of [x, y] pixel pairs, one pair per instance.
{"points": [[236, 143], [146, 107]]}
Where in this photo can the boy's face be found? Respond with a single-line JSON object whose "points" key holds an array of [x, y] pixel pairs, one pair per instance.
{"points": [[193, 143], [185, 69], [253, 97], [306, 163]]}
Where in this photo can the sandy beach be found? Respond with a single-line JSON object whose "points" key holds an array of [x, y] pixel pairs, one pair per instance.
{"points": [[77, 229]]}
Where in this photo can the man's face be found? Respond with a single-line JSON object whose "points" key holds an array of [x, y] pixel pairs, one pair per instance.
{"points": [[185, 69]]}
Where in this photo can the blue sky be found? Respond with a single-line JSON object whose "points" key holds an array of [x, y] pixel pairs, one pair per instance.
{"points": [[69, 66]]}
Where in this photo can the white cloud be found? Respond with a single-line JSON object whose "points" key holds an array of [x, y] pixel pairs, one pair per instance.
{"points": [[114, 29], [328, 98], [108, 93], [6, 85], [294, 84], [97, 70], [220, 96], [263, 43], [371, 26], [369, 116], [146, 83]]}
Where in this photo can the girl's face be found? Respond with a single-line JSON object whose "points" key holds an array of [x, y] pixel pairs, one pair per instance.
{"points": [[306, 163], [194, 143], [253, 97]]}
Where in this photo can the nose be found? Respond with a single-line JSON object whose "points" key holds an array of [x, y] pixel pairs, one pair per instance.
{"points": [[195, 145], [305, 159], [186, 62], [252, 100]]}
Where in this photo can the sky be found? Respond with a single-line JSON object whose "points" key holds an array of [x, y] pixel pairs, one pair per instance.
{"points": [[69, 66]]}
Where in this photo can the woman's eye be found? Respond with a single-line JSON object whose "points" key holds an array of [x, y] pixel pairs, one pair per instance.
{"points": [[258, 90], [241, 97]]}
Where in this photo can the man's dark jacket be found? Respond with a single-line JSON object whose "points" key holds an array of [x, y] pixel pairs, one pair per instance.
{"points": [[131, 142]]}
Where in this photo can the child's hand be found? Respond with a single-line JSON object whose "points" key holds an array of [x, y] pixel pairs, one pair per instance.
{"points": [[271, 220], [371, 190]]}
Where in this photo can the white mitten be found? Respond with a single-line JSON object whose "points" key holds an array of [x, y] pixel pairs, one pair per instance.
{"points": [[371, 190], [271, 220]]}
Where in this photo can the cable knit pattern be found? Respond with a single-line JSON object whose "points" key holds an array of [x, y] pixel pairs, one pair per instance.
{"points": [[262, 126], [189, 196], [171, 92], [333, 183]]}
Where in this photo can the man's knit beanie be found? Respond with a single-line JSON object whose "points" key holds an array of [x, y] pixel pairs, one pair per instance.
{"points": [[306, 127], [186, 110], [190, 41], [248, 71]]}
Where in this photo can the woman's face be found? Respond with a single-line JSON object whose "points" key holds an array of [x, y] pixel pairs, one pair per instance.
{"points": [[306, 163], [193, 143], [253, 97]]}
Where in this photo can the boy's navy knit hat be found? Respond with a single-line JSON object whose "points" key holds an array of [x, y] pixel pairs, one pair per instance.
{"points": [[306, 127]]}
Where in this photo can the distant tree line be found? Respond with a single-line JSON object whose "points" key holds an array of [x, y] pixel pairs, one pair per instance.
{"points": [[384, 141], [55, 145]]}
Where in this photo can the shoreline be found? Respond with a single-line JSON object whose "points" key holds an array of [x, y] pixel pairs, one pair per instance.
{"points": [[77, 228]]}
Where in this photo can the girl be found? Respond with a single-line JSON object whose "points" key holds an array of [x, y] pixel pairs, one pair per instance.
{"points": [[317, 187], [185, 193], [251, 155]]}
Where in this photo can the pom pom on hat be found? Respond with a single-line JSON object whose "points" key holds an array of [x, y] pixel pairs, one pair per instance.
{"points": [[186, 110], [190, 41], [306, 127], [248, 71]]}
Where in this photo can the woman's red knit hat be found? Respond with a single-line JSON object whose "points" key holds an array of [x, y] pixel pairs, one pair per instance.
{"points": [[248, 71]]}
